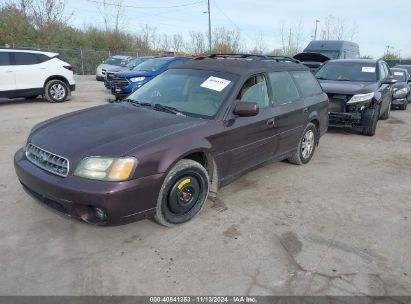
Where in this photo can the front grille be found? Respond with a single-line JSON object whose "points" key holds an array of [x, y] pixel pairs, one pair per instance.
{"points": [[120, 82], [48, 161], [110, 76]]}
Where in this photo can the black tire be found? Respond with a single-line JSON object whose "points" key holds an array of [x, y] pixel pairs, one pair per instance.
{"points": [[299, 157], [386, 114], [372, 120], [183, 193], [31, 97], [404, 105], [56, 91]]}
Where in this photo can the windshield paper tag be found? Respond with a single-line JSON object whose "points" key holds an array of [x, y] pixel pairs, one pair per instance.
{"points": [[215, 83], [398, 73], [368, 69]]}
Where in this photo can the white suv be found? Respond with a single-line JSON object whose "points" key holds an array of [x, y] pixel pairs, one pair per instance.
{"points": [[29, 73]]}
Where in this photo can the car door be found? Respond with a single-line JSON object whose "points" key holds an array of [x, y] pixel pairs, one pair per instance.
{"points": [[7, 75], [250, 141], [291, 111], [384, 89], [30, 71]]}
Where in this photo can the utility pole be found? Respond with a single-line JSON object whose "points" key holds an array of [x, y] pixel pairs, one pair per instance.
{"points": [[209, 25], [316, 26]]}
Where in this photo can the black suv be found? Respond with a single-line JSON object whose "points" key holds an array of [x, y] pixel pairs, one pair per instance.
{"points": [[360, 92]]}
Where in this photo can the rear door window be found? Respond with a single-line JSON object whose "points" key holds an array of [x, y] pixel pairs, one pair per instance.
{"points": [[25, 58], [283, 87], [5, 58], [307, 83]]}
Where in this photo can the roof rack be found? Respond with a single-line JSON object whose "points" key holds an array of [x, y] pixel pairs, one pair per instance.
{"points": [[251, 57]]}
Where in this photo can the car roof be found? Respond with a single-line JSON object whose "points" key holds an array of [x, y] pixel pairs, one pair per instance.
{"points": [[121, 56], [365, 61], [241, 66], [49, 54]]}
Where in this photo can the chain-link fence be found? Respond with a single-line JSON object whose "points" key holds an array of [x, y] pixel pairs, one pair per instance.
{"points": [[85, 61]]}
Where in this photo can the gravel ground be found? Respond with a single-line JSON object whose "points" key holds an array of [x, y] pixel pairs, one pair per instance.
{"points": [[340, 225]]}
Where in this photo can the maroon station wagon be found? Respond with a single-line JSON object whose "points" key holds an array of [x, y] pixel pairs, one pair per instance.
{"points": [[162, 151]]}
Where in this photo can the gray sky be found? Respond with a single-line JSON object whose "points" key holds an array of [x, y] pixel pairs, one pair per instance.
{"points": [[377, 23]]}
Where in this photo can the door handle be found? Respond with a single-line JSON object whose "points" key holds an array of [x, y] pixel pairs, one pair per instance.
{"points": [[9, 71], [270, 122]]}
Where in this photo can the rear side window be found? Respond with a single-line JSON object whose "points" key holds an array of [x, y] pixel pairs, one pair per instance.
{"points": [[5, 58], [26, 58], [283, 87], [307, 84]]}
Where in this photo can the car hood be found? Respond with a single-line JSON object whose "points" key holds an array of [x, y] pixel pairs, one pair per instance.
{"points": [[347, 87], [129, 74], [400, 85], [108, 130], [118, 69], [311, 57]]}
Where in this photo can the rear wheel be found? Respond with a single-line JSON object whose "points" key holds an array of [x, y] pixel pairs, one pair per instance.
{"points": [[183, 193], [306, 147], [56, 91], [404, 105]]}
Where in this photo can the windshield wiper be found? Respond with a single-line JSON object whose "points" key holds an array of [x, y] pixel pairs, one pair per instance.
{"points": [[321, 78], [167, 109], [136, 102]]}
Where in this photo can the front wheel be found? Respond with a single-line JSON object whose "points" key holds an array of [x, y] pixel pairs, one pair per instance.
{"points": [[56, 91], [306, 146], [183, 193], [386, 114]]}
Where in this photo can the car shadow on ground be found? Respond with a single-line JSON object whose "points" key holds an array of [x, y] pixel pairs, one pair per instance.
{"points": [[5, 101], [344, 131]]}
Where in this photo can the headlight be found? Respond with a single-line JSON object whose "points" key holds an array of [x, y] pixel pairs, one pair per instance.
{"points": [[137, 79], [361, 98], [106, 168], [401, 91]]}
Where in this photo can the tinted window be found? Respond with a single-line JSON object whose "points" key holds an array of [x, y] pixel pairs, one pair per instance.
{"points": [[348, 71], [4, 58], [283, 87], [25, 58], [399, 75], [116, 61], [255, 90], [307, 83], [193, 92]]}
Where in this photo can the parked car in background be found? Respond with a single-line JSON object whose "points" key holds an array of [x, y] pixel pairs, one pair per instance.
{"points": [[30, 73], [404, 66], [131, 65], [126, 82], [401, 90], [319, 51], [186, 133], [111, 63], [360, 92]]}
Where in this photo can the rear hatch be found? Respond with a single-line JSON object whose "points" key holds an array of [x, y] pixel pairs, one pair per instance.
{"points": [[312, 60]]}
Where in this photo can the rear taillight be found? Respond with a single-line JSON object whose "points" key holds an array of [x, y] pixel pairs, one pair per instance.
{"points": [[68, 67]]}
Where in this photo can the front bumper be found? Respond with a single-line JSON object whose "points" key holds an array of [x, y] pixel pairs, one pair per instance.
{"points": [[99, 78], [122, 202], [72, 87], [344, 120], [399, 101]]}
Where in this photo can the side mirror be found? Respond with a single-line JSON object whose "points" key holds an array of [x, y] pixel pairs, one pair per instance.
{"points": [[246, 109], [389, 80]]}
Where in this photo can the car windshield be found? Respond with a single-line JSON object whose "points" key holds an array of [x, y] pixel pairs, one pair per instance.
{"points": [[348, 71], [329, 54], [152, 64], [116, 61], [406, 67], [195, 93], [399, 75], [136, 62]]}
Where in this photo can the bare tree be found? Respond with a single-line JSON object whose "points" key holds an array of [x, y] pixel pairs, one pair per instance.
{"points": [[148, 36], [112, 14], [291, 38], [46, 12], [197, 43], [177, 43], [226, 41], [337, 29], [259, 46]]}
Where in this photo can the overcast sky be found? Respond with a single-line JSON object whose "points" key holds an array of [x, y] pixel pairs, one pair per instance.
{"points": [[377, 23]]}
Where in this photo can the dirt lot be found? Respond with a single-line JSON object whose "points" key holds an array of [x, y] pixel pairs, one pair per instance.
{"points": [[338, 226]]}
